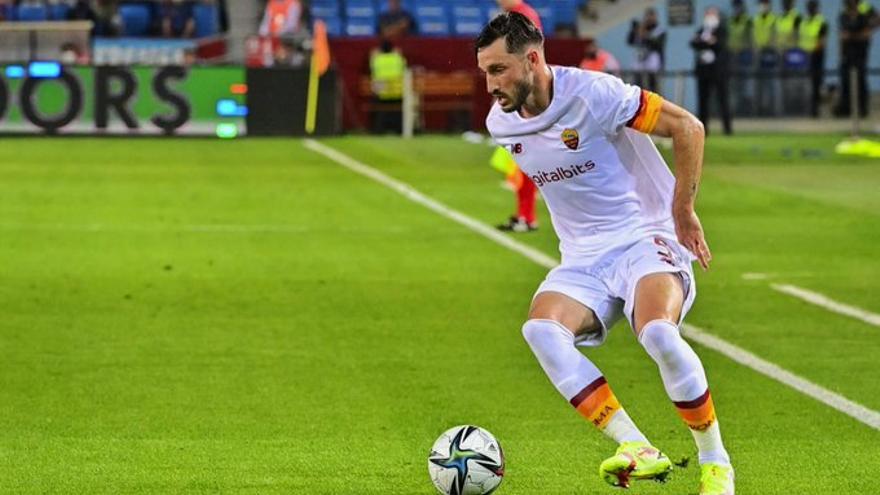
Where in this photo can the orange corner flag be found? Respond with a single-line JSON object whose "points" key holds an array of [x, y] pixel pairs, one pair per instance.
{"points": [[320, 64]]}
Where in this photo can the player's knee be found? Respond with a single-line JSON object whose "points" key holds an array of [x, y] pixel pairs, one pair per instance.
{"points": [[662, 339], [537, 330]]}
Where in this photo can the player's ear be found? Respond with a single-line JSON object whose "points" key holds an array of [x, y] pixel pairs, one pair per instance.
{"points": [[533, 57]]}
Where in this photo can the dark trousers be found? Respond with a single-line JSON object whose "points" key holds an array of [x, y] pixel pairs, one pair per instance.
{"points": [[387, 116], [843, 108], [817, 77], [648, 80], [710, 80]]}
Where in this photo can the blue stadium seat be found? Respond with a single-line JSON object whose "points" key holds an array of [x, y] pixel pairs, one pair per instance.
{"points": [[334, 26], [136, 19], [32, 12], [430, 8], [565, 11], [329, 11], [490, 9], [467, 17], [547, 13], [207, 18], [326, 9], [361, 18], [360, 9], [59, 11], [360, 26], [432, 17]]}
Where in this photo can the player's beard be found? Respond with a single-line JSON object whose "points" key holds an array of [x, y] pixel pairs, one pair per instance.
{"points": [[521, 91]]}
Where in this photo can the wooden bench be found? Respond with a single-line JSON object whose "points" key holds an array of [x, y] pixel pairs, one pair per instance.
{"points": [[435, 92]]}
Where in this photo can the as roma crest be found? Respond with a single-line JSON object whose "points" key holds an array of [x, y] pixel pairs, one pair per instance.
{"points": [[571, 138]]}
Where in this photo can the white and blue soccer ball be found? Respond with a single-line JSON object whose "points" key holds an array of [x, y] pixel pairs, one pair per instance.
{"points": [[466, 460]]}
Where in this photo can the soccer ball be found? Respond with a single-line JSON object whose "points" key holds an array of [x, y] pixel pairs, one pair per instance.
{"points": [[466, 460]]}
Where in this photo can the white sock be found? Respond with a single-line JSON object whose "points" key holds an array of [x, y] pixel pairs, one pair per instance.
{"points": [[579, 380], [685, 382]]}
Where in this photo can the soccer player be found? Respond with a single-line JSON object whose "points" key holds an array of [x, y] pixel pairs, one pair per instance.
{"points": [[526, 218], [628, 236]]}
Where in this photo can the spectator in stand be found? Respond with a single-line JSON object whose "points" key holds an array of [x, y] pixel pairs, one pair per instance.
{"points": [[283, 18], [175, 19], [7, 10], [107, 20], [73, 53], [599, 60], [396, 22], [649, 40], [81, 10]]}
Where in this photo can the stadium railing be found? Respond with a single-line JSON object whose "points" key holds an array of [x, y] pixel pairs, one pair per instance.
{"points": [[759, 94], [43, 40]]}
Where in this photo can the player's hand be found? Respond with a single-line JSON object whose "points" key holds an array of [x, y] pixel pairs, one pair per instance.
{"points": [[690, 235]]}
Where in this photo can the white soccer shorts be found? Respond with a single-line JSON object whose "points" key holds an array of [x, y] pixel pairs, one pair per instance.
{"points": [[608, 285]]}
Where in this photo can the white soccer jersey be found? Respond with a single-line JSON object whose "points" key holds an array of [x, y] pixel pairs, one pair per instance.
{"points": [[604, 182]]}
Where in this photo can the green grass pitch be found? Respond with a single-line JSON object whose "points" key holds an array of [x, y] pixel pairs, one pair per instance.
{"points": [[195, 316]]}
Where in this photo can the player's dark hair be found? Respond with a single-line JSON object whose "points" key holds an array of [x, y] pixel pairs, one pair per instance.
{"points": [[516, 29]]}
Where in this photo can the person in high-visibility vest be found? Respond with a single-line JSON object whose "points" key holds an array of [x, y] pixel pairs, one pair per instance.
{"points": [[865, 8], [787, 26], [739, 28], [387, 69], [764, 28], [739, 42], [812, 35], [764, 40]]}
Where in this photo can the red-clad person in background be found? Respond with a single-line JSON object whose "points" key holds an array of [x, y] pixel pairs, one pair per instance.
{"points": [[525, 219]]}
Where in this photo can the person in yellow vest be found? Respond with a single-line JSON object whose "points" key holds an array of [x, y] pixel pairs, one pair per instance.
{"points": [[787, 26], [739, 28], [742, 58], [764, 28], [387, 69], [764, 42], [813, 34], [865, 8]]}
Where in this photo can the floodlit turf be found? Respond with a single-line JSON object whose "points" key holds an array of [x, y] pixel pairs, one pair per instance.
{"points": [[195, 316]]}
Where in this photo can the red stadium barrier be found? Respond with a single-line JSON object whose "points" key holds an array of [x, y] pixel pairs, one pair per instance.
{"points": [[352, 59]]}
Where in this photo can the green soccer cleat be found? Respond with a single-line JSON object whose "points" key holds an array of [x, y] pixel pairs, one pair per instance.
{"points": [[716, 479], [635, 461]]}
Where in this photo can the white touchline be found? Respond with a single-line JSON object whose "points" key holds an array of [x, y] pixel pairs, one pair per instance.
{"points": [[806, 387], [829, 304], [836, 401]]}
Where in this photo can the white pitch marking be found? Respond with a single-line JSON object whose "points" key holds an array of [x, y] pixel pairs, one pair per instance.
{"points": [[828, 303], [806, 387], [432, 204], [755, 276], [737, 354]]}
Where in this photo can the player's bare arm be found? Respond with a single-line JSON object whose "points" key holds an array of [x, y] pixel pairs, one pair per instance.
{"points": [[688, 139]]}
